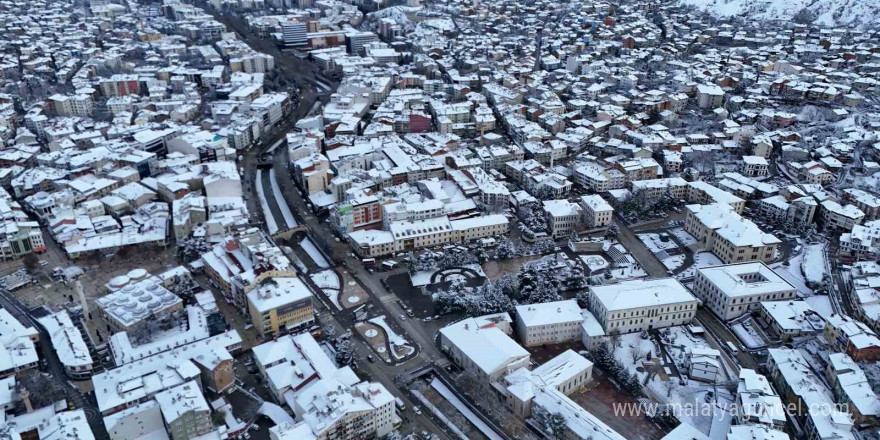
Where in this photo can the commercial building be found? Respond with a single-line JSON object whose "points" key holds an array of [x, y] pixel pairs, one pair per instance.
{"points": [[69, 345], [637, 305], [732, 290], [280, 305]]}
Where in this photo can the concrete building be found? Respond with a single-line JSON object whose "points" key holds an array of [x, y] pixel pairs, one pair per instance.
{"points": [[185, 410], [568, 372], [732, 290], [757, 402], [633, 306], [732, 238], [789, 319], [483, 345], [563, 217], [549, 323], [280, 305], [597, 212]]}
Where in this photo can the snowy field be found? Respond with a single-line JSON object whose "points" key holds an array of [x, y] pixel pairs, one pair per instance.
{"points": [[701, 259], [654, 242], [792, 273], [282, 203], [264, 205], [313, 252], [813, 264], [328, 281], [673, 262], [691, 395], [683, 237]]}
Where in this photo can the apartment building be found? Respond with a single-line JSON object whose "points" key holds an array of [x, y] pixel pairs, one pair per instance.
{"points": [[549, 323], [280, 305], [633, 306], [757, 402], [853, 337], [733, 290], [732, 238], [790, 319], [852, 389], [838, 216], [798, 385], [185, 410]]}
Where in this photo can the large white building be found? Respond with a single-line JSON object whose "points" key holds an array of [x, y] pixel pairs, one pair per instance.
{"points": [[637, 305], [732, 238], [549, 323], [736, 289], [597, 212], [567, 373], [563, 217], [483, 345]]}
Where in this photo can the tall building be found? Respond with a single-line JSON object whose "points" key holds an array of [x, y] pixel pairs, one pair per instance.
{"points": [[294, 34]]}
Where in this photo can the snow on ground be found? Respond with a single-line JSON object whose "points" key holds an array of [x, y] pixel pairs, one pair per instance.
{"points": [[821, 304], [701, 259], [421, 278], [792, 274], [313, 252], [747, 334], [687, 399], [393, 338], [627, 273], [464, 410], [655, 244], [673, 262], [282, 202], [328, 281], [813, 264], [267, 213], [683, 237], [862, 13], [276, 413]]}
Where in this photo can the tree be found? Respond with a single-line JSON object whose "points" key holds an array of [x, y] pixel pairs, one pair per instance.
{"points": [[217, 418], [31, 262], [506, 250], [344, 351], [583, 299], [552, 424]]}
